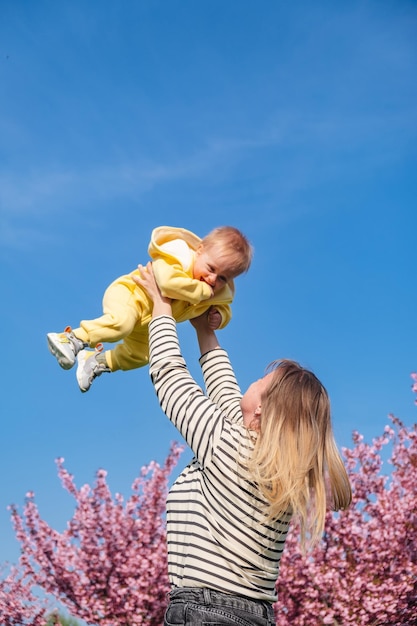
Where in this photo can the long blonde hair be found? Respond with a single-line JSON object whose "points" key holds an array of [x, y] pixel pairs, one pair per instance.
{"points": [[296, 463]]}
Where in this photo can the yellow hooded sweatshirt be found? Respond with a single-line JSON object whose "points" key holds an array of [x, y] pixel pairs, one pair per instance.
{"points": [[127, 307]]}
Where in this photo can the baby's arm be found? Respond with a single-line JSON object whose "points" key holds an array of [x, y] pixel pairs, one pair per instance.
{"points": [[175, 283]]}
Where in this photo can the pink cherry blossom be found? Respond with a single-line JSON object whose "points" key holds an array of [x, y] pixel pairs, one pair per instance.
{"points": [[18, 605], [364, 571], [109, 567], [414, 386]]}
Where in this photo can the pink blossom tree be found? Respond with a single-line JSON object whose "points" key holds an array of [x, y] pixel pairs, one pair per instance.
{"points": [[109, 567], [364, 571], [18, 605]]}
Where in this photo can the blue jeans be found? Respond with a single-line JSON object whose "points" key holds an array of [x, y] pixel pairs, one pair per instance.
{"points": [[189, 606]]}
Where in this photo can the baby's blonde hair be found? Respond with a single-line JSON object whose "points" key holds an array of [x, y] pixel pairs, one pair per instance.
{"points": [[230, 243], [296, 464]]}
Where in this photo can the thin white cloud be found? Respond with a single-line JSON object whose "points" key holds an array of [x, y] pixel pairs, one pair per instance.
{"points": [[316, 146]]}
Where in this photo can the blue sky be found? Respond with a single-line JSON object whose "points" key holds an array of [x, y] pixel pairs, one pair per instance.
{"points": [[295, 122]]}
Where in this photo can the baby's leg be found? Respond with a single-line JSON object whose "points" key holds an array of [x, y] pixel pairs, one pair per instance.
{"points": [[121, 312], [132, 353]]}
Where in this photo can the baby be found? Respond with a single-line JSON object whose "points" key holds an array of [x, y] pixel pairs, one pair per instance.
{"points": [[196, 273]]}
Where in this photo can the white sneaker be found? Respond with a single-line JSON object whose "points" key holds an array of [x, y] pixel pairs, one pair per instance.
{"points": [[65, 347], [89, 368]]}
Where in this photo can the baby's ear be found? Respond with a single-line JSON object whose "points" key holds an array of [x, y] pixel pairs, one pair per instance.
{"points": [[199, 249]]}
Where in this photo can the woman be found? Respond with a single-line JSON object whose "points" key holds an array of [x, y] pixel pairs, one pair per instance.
{"points": [[260, 459]]}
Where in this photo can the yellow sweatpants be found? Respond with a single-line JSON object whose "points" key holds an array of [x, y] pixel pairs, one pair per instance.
{"points": [[126, 315]]}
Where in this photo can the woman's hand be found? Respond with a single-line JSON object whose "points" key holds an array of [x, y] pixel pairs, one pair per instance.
{"points": [[209, 320], [214, 318], [146, 280], [205, 325]]}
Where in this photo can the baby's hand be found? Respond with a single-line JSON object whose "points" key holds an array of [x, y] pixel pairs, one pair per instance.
{"points": [[214, 319]]}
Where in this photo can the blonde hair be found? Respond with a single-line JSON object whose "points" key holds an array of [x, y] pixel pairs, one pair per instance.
{"points": [[295, 463], [230, 243]]}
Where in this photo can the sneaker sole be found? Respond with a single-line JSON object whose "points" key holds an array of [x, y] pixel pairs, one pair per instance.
{"points": [[81, 359], [55, 348]]}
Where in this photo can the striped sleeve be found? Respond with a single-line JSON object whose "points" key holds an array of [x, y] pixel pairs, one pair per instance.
{"points": [[197, 417], [221, 384]]}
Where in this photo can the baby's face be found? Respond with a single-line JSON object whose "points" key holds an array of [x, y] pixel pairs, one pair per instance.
{"points": [[210, 269]]}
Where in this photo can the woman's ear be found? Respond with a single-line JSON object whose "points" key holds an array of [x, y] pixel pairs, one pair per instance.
{"points": [[256, 421]]}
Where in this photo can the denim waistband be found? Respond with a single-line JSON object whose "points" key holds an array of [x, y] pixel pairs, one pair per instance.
{"points": [[203, 595]]}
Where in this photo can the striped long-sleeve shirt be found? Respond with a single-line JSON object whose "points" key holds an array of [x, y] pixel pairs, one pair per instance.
{"points": [[216, 531]]}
